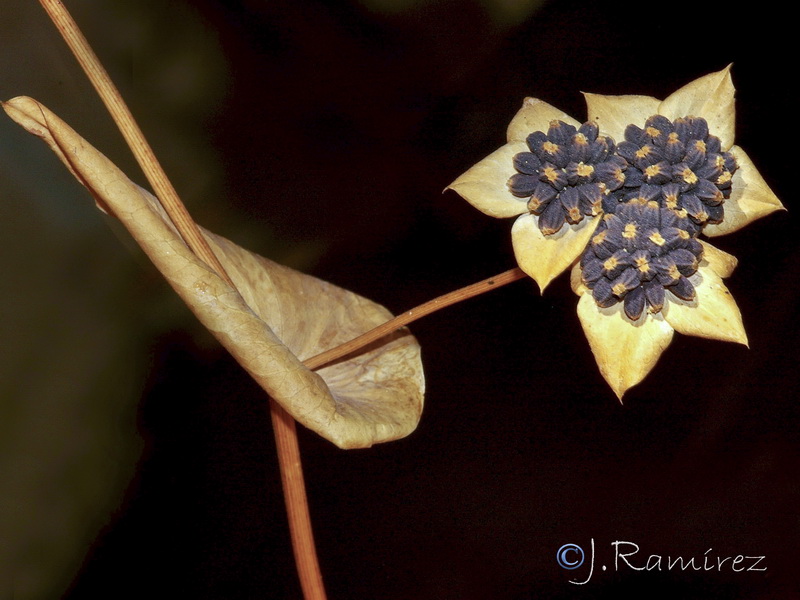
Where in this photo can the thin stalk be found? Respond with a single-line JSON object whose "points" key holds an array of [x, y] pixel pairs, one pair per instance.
{"points": [[285, 432], [294, 494], [486, 285], [109, 94]]}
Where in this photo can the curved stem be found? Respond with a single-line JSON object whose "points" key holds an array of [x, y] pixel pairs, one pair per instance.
{"points": [[486, 285]]}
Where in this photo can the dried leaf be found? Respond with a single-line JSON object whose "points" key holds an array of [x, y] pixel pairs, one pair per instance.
{"points": [[273, 320]]}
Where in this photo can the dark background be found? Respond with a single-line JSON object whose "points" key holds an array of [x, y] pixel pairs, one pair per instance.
{"points": [[333, 129]]}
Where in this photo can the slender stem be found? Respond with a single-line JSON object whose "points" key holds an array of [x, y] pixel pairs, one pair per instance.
{"points": [[109, 94], [305, 554], [285, 432], [324, 358]]}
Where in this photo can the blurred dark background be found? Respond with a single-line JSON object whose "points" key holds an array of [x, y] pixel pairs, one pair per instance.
{"points": [[138, 457]]}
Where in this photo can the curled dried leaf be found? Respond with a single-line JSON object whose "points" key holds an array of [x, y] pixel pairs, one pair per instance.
{"points": [[273, 319]]}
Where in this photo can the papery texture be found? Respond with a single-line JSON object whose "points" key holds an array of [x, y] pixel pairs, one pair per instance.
{"points": [[274, 319], [625, 350]]}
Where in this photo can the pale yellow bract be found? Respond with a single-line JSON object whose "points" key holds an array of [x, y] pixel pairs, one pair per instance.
{"points": [[627, 350]]}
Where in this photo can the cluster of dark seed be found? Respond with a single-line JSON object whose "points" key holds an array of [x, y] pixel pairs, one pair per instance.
{"points": [[568, 173], [637, 253], [679, 165], [657, 190]]}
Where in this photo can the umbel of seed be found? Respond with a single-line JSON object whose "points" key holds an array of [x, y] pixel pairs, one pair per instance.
{"points": [[657, 190], [679, 165], [637, 254], [568, 174], [676, 181]]}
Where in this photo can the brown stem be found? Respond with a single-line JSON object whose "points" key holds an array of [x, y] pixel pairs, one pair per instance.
{"points": [[285, 432], [324, 358], [294, 493], [109, 94]]}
